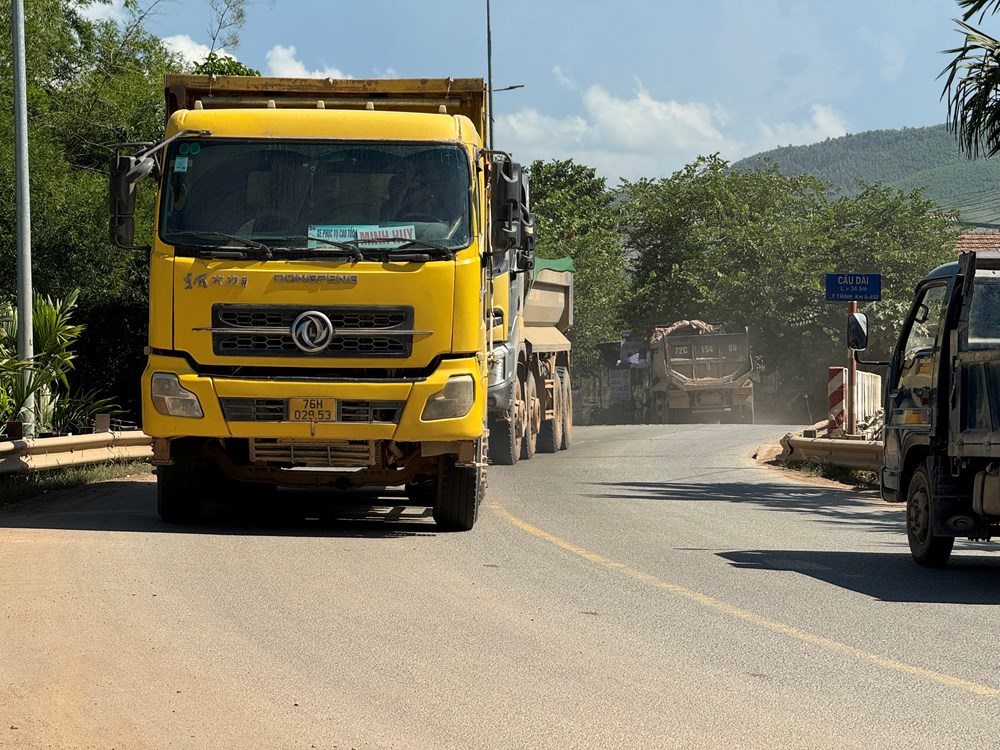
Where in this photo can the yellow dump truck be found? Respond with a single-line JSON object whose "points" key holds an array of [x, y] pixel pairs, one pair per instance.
{"points": [[530, 396], [321, 286], [699, 372]]}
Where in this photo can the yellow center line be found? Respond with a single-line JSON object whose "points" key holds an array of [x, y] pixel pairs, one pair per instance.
{"points": [[751, 617]]}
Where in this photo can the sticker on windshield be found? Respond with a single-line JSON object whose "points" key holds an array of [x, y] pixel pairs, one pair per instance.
{"points": [[368, 234], [180, 164]]}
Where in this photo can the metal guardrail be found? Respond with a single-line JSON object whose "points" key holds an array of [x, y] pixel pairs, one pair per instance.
{"points": [[845, 452], [36, 454]]}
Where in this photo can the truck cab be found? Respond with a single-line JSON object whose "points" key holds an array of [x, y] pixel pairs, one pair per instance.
{"points": [[942, 408]]}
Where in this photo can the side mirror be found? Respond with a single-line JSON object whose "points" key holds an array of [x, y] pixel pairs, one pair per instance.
{"points": [[857, 332], [125, 171], [508, 206], [857, 339]]}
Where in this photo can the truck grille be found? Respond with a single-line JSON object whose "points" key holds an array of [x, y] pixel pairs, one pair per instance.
{"points": [[266, 331], [343, 454], [353, 411]]}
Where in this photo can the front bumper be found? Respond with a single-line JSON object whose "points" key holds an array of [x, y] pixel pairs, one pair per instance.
{"points": [[409, 398]]}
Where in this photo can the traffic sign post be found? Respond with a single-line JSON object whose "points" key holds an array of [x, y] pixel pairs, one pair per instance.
{"points": [[853, 288]]}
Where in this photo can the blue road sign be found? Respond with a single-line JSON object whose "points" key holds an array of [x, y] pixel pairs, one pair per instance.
{"points": [[853, 287]]}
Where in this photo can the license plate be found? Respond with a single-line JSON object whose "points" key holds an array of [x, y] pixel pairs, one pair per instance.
{"points": [[312, 410]]}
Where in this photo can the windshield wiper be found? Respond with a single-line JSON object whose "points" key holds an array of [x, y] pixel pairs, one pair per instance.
{"points": [[223, 251], [406, 243], [336, 247]]}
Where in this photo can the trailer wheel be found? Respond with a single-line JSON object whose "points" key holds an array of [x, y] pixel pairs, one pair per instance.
{"points": [[567, 408], [550, 434], [530, 442], [460, 490], [927, 548]]}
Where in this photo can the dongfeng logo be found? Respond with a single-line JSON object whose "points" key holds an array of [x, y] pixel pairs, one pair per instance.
{"points": [[312, 331]]}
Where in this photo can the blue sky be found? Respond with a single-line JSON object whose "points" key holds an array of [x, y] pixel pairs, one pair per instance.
{"points": [[637, 88]]}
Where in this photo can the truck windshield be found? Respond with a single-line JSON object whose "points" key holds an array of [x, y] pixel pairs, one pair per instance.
{"points": [[984, 315], [310, 194]]}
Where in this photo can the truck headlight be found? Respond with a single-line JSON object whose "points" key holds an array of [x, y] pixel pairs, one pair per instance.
{"points": [[453, 401], [171, 399]]}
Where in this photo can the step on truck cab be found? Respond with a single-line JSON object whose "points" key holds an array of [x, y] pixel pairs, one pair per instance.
{"points": [[942, 407], [320, 275]]}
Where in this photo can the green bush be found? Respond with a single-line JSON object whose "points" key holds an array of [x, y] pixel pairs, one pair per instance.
{"points": [[45, 376]]}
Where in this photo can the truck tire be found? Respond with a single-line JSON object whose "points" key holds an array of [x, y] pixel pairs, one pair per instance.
{"points": [[550, 434], [505, 443], [506, 434], [179, 492], [928, 549], [460, 490], [530, 442], [567, 404]]}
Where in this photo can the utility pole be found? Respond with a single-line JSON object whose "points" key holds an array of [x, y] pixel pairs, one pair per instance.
{"points": [[25, 324], [489, 75]]}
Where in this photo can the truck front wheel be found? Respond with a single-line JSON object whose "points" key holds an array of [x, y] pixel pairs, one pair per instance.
{"points": [[460, 490], [507, 433], [179, 492], [927, 548]]}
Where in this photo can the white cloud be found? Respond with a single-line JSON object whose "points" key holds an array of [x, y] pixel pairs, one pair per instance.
{"points": [[101, 11], [190, 50], [565, 80], [824, 123], [281, 61], [635, 137], [640, 136]]}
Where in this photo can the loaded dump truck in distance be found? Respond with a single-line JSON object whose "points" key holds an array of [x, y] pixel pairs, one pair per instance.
{"points": [[320, 270], [530, 397], [700, 373], [941, 438]]}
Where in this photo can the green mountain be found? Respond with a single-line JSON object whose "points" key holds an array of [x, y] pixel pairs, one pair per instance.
{"points": [[907, 159]]}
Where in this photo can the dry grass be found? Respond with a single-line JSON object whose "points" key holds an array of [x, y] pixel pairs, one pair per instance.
{"points": [[16, 488]]}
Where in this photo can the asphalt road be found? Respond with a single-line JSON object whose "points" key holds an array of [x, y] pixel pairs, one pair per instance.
{"points": [[653, 587]]}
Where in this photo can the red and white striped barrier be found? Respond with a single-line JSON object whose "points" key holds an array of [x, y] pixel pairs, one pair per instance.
{"points": [[836, 391], [867, 398]]}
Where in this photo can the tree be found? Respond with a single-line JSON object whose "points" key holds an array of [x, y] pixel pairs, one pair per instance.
{"points": [[229, 17], [972, 83], [751, 249], [576, 215], [90, 86]]}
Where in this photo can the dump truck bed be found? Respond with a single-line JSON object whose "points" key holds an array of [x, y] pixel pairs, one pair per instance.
{"points": [[457, 96], [548, 309]]}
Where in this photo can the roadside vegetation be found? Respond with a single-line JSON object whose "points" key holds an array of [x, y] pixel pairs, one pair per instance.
{"points": [[16, 488], [859, 479]]}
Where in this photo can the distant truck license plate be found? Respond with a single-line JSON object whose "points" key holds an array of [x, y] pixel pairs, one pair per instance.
{"points": [[312, 409]]}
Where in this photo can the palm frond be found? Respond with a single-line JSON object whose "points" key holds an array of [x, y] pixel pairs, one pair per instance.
{"points": [[972, 90], [982, 7]]}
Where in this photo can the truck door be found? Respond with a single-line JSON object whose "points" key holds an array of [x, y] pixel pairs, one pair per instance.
{"points": [[912, 384]]}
